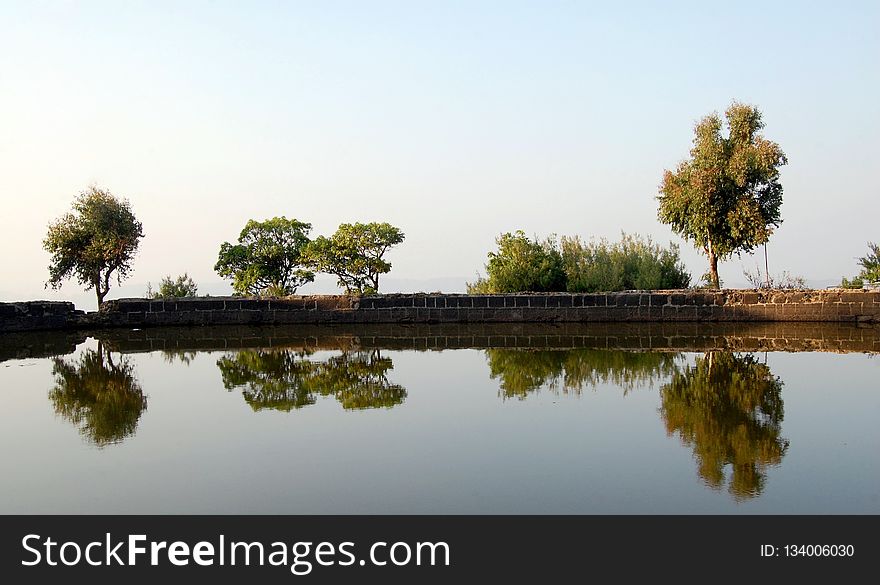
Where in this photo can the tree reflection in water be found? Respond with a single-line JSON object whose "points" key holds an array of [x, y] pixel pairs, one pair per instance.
{"points": [[729, 409], [185, 357], [523, 371], [283, 379], [102, 398]]}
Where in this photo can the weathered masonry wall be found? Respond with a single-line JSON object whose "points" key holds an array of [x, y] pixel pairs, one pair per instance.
{"points": [[40, 315], [832, 306], [657, 306]]}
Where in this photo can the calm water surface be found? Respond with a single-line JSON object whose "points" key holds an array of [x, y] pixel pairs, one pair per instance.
{"points": [[343, 426]]}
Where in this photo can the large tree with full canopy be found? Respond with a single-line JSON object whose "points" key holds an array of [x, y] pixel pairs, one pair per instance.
{"points": [[94, 242], [726, 197]]}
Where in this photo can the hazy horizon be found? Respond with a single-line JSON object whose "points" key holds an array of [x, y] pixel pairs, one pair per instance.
{"points": [[454, 121]]}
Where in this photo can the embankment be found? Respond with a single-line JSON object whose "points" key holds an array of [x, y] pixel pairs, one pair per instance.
{"points": [[832, 306]]}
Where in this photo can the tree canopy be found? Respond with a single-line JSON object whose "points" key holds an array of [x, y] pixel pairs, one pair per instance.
{"points": [[99, 238], [355, 254], [268, 258], [726, 197]]}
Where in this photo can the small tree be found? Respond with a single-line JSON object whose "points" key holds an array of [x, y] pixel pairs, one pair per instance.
{"points": [[180, 287], [268, 258], [355, 254], [99, 238], [870, 264], [522, 264], [726, 197]]}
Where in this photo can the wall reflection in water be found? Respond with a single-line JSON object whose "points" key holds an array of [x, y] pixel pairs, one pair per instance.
{"points": [[102, 397], [284, 379]]}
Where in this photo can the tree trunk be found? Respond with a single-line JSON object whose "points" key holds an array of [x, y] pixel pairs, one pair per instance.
{"points": [[101, 294], [713, 270]]}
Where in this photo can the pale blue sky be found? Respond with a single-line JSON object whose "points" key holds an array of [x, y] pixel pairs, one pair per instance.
{"points": [[453, 120]]}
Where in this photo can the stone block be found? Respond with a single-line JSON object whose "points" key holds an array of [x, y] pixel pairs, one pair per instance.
{"points": [[131, 305]]}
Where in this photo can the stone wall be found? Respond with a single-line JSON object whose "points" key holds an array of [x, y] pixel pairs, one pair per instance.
{"points": [[659, 306], [39, 315], [671, 306]]}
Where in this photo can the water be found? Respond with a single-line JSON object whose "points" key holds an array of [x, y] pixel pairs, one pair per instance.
{"points": [[450, 421]]}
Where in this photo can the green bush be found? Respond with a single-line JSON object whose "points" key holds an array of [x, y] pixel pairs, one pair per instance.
{"points": [[870, 264], [633, 263], [180, 287], [521, 264]]}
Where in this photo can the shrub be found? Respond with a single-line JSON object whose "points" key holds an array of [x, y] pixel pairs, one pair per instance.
{"points": [[633, 263], [870, 264], [785, 281], [522, 264], [182, 286]]}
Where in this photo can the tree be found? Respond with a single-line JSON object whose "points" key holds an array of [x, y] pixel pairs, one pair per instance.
{"points": [[522, 264], [870, 264], [354, 254], [180, 287], [284, 379], [729, 409], [271, 378], [268, 258], [726, 197], [98, 239], [102, 398]]}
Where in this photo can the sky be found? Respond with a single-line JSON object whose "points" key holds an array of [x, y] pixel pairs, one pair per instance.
{"points": [[455, 121]]}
